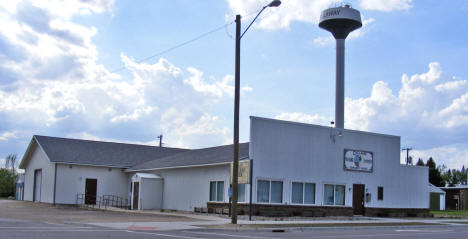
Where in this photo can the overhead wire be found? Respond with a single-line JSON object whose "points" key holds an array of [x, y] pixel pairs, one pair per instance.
{"points": [[187, 42], [178, 45]]}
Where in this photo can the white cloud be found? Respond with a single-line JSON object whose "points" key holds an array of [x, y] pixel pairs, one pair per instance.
{"points": [[302, 10], [386, 5], [322, 41], [52, 84], [281, 17], [4, 136], [453, 156], [425, 102], [430, 112], [304, 118]]}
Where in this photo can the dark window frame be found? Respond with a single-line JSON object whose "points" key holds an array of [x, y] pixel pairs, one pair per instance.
{"points": [[380, 193]]}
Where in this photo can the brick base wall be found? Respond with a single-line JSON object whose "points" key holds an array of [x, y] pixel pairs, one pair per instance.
{"points": [[315, 211], [283, 210], [397, 212], [463, 199]]}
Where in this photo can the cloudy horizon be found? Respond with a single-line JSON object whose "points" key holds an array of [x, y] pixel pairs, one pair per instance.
{"points": [[405, 72]]}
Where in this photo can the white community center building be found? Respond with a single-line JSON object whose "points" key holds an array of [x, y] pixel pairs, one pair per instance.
{"points": [[295, 169], [287, 168]]}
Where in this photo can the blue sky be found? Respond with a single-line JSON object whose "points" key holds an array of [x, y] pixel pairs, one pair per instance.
{"points": [[406, 71]]}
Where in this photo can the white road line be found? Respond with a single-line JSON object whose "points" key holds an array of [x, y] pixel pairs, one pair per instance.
{"points": [[166, 235], [45, 227], [230, 235], [416, 230], [375, 235], [66, 230]]}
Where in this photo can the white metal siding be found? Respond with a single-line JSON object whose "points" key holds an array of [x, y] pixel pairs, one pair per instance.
{"points": [[305, 153], [186, 188], [151, 193], [71, 181], [39, 160]]}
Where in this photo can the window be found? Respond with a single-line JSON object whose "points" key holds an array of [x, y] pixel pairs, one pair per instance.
{"points": [[217, 191], [303, 193], [334, 194], [379, 193], [241, 193], [269, 191]]}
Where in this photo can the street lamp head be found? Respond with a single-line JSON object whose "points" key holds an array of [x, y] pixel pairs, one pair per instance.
{"points": [[274, 3]]}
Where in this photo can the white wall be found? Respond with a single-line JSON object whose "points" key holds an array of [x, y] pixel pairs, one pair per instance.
{"points": [[305, 153], [151, 193], [71, 181], [186, 188], [442, 202], [39, 160]]}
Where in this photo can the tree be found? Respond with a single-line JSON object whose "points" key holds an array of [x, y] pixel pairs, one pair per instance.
{"points": [[420, 162], [10, 162], [7, 183], [435, 176], [463, 176], [431, 163]]}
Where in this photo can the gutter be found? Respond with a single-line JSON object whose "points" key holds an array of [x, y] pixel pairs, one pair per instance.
{"points": [[55, 181], [184, 166]]}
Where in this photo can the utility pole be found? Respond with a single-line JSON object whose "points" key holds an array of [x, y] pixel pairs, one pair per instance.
{"points": [[235, 161], [160, 137], [407, 153], [235, 165]]}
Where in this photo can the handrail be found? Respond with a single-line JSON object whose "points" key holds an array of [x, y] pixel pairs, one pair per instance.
{"points": [[104, 201]]}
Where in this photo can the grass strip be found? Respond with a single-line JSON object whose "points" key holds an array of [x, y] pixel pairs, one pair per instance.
{"points": [[299, 225]]}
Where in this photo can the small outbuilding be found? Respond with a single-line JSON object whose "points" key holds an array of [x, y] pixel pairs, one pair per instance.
{"points": [[437, 198], [456, 198], [146, 186]]}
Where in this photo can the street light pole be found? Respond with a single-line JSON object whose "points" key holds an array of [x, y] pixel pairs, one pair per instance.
{"points": [[235, 166]]}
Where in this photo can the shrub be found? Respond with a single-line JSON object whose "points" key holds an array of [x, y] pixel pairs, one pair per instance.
{"points": [[7, 183]]}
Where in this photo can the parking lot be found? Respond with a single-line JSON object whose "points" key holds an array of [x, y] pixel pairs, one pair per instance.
{"points": [[32, 220]]}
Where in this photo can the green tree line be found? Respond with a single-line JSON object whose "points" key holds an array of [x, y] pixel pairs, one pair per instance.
{"points": [[8, 176], [442, 176]]}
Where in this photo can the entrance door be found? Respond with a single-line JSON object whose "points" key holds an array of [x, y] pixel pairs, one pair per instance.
{"points": [[90, 191], [358, 199], [37, 185], [136, 196]]}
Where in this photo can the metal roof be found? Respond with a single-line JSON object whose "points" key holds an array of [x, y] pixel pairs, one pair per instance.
{"points": [[435, 189], [196, 157], [145, 175], [98, 153]]}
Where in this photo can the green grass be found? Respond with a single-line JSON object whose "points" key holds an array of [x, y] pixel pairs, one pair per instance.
{"points": [[450, 213]]}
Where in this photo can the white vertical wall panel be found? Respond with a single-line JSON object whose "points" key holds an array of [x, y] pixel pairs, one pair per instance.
{"points": [[151, 193], [71, 181], [306, 153], [186, 188], [39, 160]]}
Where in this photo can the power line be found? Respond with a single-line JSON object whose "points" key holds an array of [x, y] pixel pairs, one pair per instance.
{"points": [[186, 42], [179, 45]]}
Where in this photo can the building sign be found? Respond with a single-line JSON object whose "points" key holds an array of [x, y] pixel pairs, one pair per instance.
{"points": [[358, 160], [243, 175]]}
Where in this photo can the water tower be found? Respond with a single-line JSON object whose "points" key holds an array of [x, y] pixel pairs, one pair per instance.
{"points": [[340, 21]]}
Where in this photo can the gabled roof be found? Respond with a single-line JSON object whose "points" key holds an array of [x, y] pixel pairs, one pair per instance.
{"points": [[196, 157], [435, 189], [97, 153]]}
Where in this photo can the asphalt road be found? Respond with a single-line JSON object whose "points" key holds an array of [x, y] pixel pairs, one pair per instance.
{"points": [[11, 228], [30, 220]]}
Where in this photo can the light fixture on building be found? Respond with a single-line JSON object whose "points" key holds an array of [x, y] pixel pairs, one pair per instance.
{"points": [[333, 134]]}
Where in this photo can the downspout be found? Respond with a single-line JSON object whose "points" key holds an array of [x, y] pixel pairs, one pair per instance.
{"points": [[55, 181]]}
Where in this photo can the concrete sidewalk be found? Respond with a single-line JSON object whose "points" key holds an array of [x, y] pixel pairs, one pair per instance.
{"points": [[223, 222]]}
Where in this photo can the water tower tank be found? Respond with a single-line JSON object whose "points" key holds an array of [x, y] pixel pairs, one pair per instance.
{"points": [[340, 21]]}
